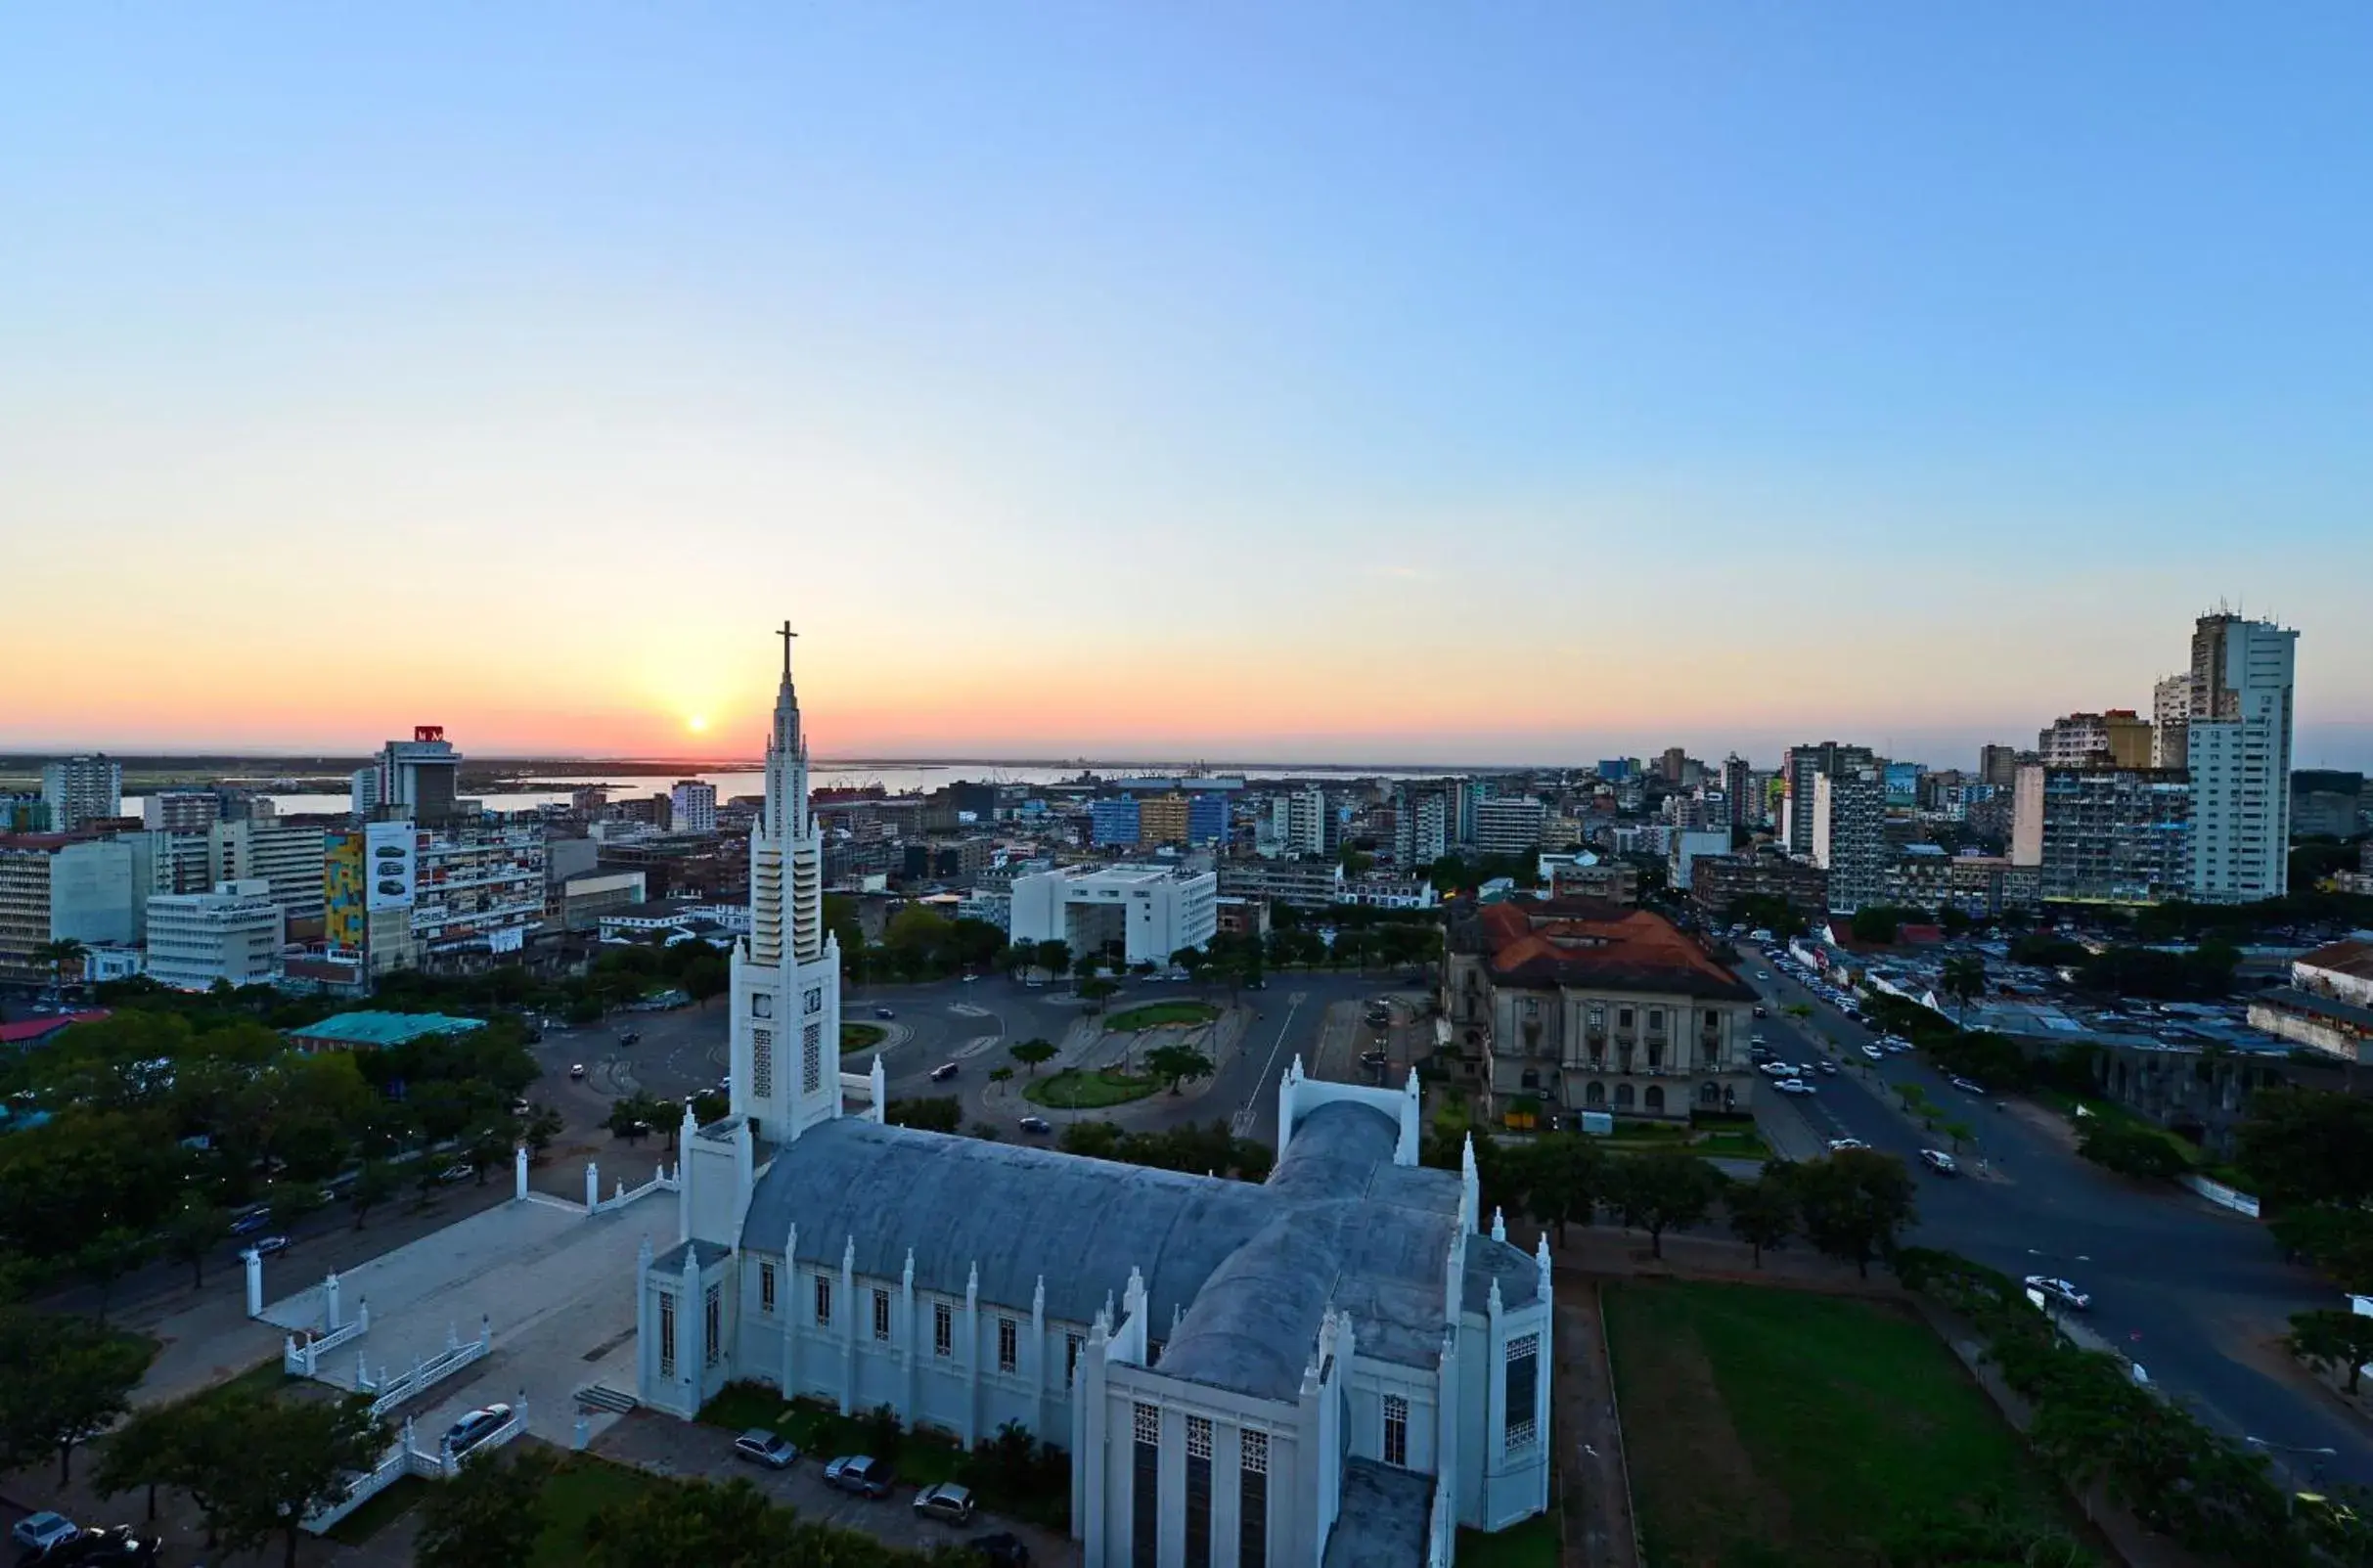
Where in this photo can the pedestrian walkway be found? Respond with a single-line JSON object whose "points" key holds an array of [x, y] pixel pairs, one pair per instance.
{"points": [[1595, 1489]]}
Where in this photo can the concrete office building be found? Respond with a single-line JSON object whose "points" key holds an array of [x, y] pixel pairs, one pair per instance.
{"points": [[1849, 837], [2239, 747], [59, 886], [691, 806], [1207, 819], [1303, 883], [1508, 825], [418, 779], [81, 790], [1115, 822], [1690, 846], [478, 889], [1998, 766], [180, 811], [233, 934], [362, 791], [1150, 911], [2104, 834], [1737, 788], [2327, 802], [1304, 821], [288, 856]]}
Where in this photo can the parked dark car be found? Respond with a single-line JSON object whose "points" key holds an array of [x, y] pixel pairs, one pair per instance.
{"points": [[476, 1429], [859, 1473], [118, 1546], [762, 1447]]}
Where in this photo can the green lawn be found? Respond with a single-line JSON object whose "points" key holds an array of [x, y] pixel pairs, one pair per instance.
{"points": [[1530, 1545], [380, 1510], [1159, 1015], [861, 1036], [1073, 1090], [1779, 1428]]}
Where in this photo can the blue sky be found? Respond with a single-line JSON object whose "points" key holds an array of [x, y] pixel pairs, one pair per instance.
{"points": [[1427, 381]]}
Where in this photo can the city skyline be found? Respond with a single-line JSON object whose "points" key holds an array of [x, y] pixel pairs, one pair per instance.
{"points": [[1441, 389]]}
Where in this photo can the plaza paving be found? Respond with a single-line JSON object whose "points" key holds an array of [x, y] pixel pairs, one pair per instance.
{"points": [[556, 1289]]}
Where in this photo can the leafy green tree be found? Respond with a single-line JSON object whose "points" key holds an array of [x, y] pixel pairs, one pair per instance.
{"points": [[1052, 956], [1659, 1190], [140, 1453], [540, 1127], [293, 1202], [62, 1381], [684, 1522], [1763, 1213], [1001, 1075], [259, 1463], [1093, 992], [107, 1257], [2308, 1146], [2330, 1337], [489, 1515], [490, 1148], [1178, 1064], [2338, 1238], [64, 954], [1032, 1053], [1560, 1178], [192, 1234], [1853, 1204], [376, 1182], [705, 979], [2130, 1150]]}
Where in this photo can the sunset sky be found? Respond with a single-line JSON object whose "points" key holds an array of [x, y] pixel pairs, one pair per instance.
{"points": [[1316, 382]]}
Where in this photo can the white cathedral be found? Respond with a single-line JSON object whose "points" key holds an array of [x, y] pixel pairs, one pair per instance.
{"points": [[1334, 1368]]}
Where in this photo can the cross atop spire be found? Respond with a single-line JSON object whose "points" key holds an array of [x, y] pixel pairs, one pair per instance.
{"points": [[787, 634]]}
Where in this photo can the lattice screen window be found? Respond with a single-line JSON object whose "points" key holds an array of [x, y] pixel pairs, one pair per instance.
{"points": [[762, 1063], [1523, 1372], [811, 1059]]}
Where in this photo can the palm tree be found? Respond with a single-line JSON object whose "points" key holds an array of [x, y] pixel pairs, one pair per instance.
{"points": [[1962, 979], [57, 955]]}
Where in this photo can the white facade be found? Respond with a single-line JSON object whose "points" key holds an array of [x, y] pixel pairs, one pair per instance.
{"points": [[1690, 845], [80, 788], [362, 791], [1304, 821], [2239, 747], [1341, 1364], [233, 934], [1849, 838], [1508, 825], [785, 1036], [286, 855], [1151, 911], [693, 806]]}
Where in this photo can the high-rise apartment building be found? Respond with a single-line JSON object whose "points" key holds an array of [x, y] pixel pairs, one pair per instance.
{"points": [[1736, 785], [362, 791], [2104, 834], [2117, 739], [693, 806], [2171, 722], [180, 811], [285, 856], [1509, 825], [232, 934], [1800, 766], [1115, 822], [56, 886], [1162, 819], [1849, 836], [80, 790], [479, 887], [1669, 766], [2327, 802], [2239, 747], [1998, 766], [1306, 814]]}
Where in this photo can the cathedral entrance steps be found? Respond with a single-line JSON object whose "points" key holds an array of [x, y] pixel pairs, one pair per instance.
{"points": [[601, 1397]]}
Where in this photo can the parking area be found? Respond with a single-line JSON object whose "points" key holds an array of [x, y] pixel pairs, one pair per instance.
{"points": [[556, 1287], [668, 1447]]}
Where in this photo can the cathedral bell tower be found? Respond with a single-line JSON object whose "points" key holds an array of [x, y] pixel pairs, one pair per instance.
{"points": [[785, 1041]]}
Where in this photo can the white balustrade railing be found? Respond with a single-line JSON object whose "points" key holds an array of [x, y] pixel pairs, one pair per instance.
{"points": [[406, 1457], [457, 1354]]}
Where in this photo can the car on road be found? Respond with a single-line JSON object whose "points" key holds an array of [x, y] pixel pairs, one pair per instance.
{"points": [[1793, 1086], [249, 1224], [1937, 1160], [1874, 1054], [1375, 1060], [455, 1175], [118, 1546], [576, 1069], [1827, 1065], [2059, 1292], [859, 1473], [1762, 1011], [762, 1447], [945, 1500], [1838, 1145], [1762, 974], [999, 1550], [43, 1530], [265, 1246], [1037, 1125], [1966, 1087], [884, 1013], [476, 1429], [943, 1071], [631, 1037]]}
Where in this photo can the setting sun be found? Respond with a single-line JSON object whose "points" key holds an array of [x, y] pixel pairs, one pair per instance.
{"points": [[696, 723]]}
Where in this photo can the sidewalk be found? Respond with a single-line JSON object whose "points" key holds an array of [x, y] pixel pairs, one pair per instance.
{"points": [[1594, 1482]]}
